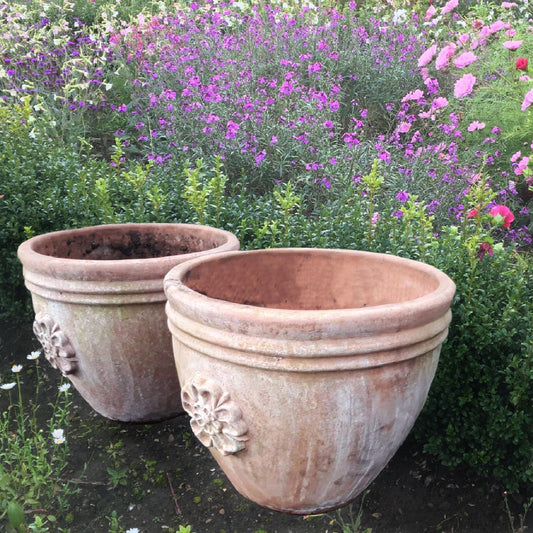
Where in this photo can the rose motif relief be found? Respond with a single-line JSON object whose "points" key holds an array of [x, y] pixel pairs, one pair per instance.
{"points": [[56, 346], [216, 420]]}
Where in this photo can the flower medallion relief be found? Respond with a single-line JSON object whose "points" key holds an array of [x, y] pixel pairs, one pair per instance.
{"points": [[216, 420], [56, 345]]}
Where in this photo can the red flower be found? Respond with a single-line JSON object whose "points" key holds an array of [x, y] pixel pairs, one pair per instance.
{"points": [[484, 247], [521, 63], [472, 213], [504, 212]]}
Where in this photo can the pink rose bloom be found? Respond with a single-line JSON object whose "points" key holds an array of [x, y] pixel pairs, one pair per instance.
{"points": [[430, 13], [476, 126], [528, 100], [463, 86], [504, 212], [512, 45], [450, 6], [444, 56], [465, 59], [427, 56]]}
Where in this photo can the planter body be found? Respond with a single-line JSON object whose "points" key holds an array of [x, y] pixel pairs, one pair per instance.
{"points": [[99, 303], [304, 370]]}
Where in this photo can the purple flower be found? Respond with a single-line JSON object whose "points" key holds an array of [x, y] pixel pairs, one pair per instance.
{"points": [[231, 129], [259, 157], [403, 196], [286, 87]]}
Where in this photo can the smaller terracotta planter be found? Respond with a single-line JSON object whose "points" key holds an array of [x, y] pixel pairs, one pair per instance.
{"points": [[99, 303], [303, 370]]}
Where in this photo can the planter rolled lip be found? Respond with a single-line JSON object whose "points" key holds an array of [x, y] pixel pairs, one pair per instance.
{"points": [[303, 370], [55, 273], [376, 328], [99, 305]]}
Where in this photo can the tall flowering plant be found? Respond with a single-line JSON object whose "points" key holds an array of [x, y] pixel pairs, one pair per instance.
{"points": [[484, 60]]}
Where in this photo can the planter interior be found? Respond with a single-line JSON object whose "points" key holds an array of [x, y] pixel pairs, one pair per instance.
{"points": [[98, 297], [304, 370]]}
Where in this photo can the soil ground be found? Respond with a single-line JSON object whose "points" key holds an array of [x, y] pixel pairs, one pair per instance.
{"points": [[157, 477]]}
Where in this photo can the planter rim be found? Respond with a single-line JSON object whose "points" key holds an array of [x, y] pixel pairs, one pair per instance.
{"points": [[116, 269], [295, 323]]}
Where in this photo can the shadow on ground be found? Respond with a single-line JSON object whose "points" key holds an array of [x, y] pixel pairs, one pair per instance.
{"points": [[157, 477]]}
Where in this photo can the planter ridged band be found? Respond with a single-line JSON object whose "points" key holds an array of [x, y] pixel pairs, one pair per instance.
{"points": [[303, 370], [99, 305]]}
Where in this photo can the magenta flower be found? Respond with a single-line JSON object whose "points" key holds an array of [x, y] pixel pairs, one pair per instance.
{"points": [[465, 59], [427, 56], [505, 213], [512, 45], [403, 196], [444, 56], [286, 87], [449, 6], [463, 86], [528, 100]]}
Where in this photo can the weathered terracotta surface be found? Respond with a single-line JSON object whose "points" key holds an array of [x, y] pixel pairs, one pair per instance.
{"points": [[304, 370], [99, 303]]}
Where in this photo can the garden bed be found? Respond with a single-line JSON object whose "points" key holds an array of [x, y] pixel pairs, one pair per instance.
{"points": [[157, 477]]}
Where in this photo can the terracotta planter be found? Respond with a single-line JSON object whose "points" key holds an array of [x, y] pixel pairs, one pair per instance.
{"points": [[99, 302], [304, 370]]}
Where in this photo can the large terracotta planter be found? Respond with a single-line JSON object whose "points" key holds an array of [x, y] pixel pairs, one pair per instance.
{"points": [[304, 370], [99, 302]]}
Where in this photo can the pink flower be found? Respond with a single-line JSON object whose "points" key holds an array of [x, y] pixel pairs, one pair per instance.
{"points": [[522, 165], [404, 127], [512, 45], [427, 56], [463, 86], [528, 100], [413, 95], [463, 39], [508, 5], [430, 13], [504, 212], [472, 213], [450, 6], [444, 56], [465, 59], [525, 77], [476, 126], [496, 26], [439, 103]]}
